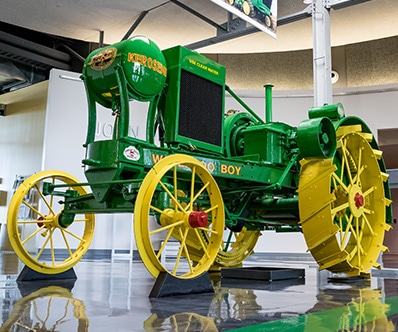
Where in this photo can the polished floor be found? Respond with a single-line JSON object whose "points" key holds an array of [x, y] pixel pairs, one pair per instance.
{"points": [[114, 296]]}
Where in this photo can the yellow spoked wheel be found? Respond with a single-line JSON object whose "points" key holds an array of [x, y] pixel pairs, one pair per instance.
{"points": [[179, 201], [343, 206], [236, 247], [51, 308], [38, 235]]}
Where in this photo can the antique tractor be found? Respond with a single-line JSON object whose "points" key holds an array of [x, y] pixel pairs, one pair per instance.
{"points": [[207, 180]]}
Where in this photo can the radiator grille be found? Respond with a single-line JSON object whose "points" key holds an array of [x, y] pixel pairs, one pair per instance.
{"points": [[201, 109]]}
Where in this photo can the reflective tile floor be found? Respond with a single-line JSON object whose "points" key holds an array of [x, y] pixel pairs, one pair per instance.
{"points": [[114, 297]]}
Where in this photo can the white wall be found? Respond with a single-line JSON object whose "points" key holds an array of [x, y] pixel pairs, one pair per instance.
{"points": [[21, 137]]}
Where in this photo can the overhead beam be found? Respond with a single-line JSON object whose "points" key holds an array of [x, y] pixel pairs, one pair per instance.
{"points": [[233, 33], [197, 14], [339, 4], [33, 47], [135, 24], [23, 56]]}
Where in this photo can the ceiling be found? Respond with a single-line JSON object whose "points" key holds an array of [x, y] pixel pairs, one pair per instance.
{"points": [[61, 33]]}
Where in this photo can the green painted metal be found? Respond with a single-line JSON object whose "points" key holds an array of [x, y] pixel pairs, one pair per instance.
{"points": [[141, 62], [183, 66], [268, 102], [262, 6], [316, 138], [255, 163], [332, 111]]}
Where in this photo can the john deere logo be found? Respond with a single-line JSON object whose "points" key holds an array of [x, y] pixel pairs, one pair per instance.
{"points": [[103, 59]]}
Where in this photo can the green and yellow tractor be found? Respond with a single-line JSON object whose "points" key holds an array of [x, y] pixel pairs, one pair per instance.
{"points": [[205, 178]]}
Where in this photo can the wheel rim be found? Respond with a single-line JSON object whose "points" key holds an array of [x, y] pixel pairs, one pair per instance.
{"points": [[344, 228], [267, 21], [246, 8], [32, 213], [169, 206], [44, 307], [237, 246]]}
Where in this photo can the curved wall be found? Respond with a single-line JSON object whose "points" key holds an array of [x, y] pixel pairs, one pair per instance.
{"points": [[361, 64]]}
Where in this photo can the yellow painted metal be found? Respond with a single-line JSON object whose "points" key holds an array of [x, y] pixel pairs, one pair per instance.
{"points": [[343, 207], [237, 246], [189, 187], [49, 305], [34, 231]]}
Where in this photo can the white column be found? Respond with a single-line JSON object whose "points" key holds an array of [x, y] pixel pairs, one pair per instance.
{"points": [[321, 52]]}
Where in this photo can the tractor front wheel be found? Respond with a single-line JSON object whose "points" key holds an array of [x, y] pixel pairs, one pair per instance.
{"points": [[179, 205], [36, 232]]}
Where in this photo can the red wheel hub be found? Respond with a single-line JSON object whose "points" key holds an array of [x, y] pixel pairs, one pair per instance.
{"points": [[359, 200], [198, 219]]}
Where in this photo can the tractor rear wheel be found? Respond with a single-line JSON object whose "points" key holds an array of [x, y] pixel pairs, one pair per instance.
{"points": [[179, 204], [33, 212], [342, 205]]}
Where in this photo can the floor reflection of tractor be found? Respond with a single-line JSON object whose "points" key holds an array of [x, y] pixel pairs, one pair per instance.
{"points": [[208, 181], [260, 9]]}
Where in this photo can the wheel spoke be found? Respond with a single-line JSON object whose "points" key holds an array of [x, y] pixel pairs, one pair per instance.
{"points": [[161, 229], [82, 241], [164, 243], [48, 204], [176, 202], [81, 220], [192, 192], [368, 224], [369, 191], [339, 208], [52, 250], [345, 159], [32, 235], [341, 233], [66, 242], [212, 208], [33, 209], [33, 221], [347, 230], [175, 185], [203, 245], [197, 195], [44, 244], [208, 230], [178, 259], [340, 182], [185, 249]]}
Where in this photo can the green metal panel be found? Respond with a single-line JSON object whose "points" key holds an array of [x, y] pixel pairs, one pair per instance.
{"points": [[193, 105], [268, 141]]}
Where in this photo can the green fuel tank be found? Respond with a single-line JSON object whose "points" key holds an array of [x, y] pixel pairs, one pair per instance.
{"points": [[137, 63]]}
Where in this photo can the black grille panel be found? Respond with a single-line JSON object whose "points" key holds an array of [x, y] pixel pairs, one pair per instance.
{"points": [[201, 109]]}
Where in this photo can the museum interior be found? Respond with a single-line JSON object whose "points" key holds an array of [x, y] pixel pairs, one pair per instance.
{"points": [[213, 165]]}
